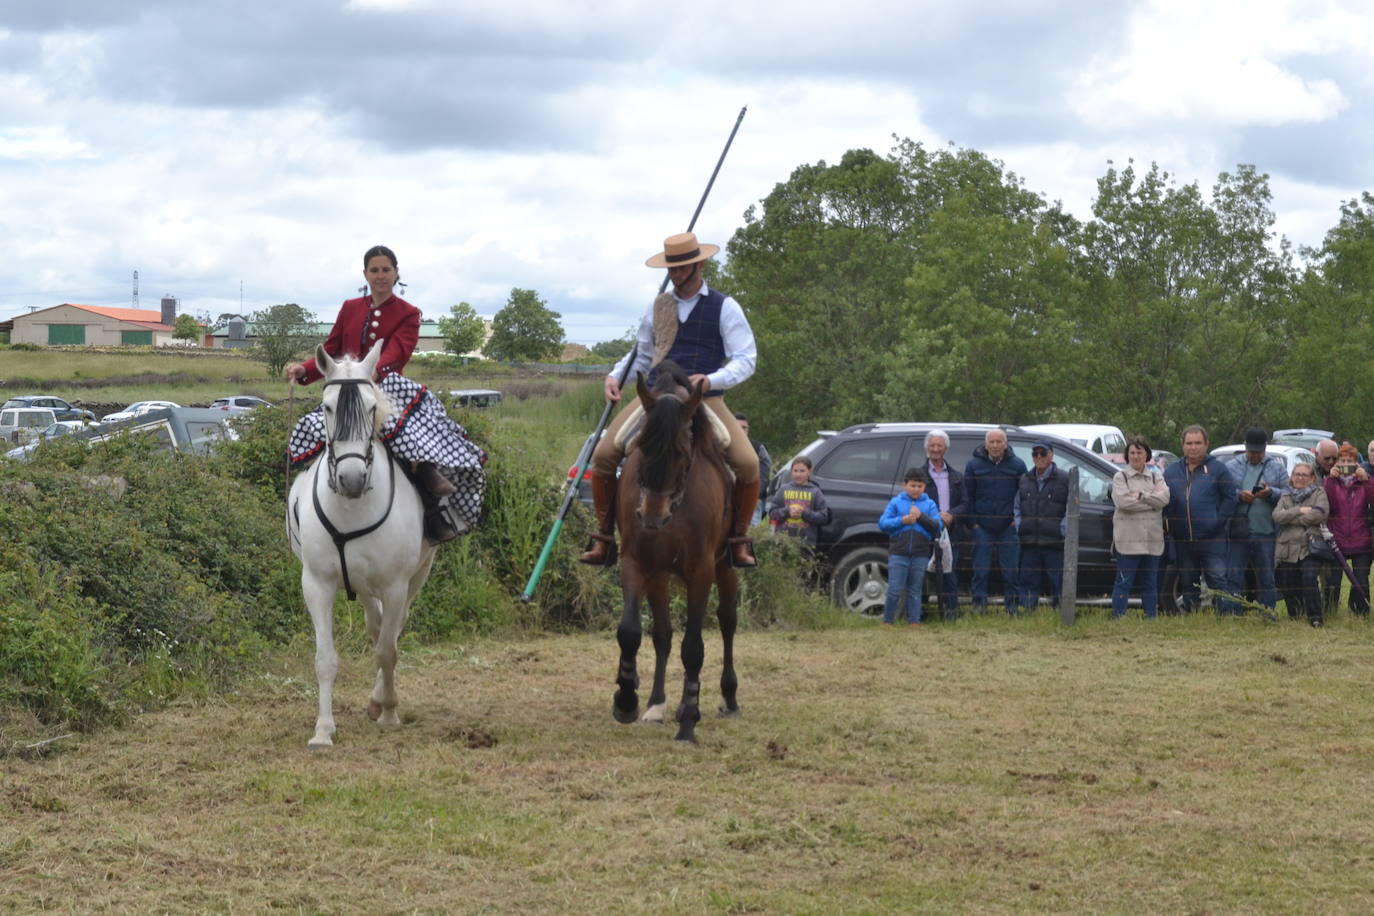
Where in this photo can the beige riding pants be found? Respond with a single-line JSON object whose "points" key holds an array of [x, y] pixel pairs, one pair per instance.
{"points": [[740, 455]]}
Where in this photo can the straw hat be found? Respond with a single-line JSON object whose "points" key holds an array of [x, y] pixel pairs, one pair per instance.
{"points": [[681, 249]]}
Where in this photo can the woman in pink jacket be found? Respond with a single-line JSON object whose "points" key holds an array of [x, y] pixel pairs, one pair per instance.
{"points": [[1351, 493]]}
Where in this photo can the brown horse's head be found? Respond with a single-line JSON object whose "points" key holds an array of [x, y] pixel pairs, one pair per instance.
{"points": [[665, 443]]}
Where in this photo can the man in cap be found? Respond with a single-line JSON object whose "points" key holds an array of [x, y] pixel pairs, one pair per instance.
{"points": [[705, 332], [1260, 481], [1042, 503]]}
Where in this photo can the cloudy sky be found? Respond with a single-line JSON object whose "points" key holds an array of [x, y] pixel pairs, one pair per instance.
{"points": [[216, 146]]}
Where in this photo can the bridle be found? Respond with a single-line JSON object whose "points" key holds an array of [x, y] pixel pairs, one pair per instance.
{"points": [[333, 457], [341, 538]]}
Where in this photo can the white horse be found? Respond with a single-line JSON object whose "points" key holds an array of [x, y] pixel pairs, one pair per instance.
{"points": [[357, 523]]}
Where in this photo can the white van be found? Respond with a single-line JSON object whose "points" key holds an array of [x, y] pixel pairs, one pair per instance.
{"points": [[1095, 437], [20, 424]]}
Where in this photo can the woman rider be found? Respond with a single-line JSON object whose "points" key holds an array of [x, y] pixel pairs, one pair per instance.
{"points": [[446, 464]]}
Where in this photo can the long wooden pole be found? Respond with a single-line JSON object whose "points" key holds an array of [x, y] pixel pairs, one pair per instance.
{"points": [[585, 456]]}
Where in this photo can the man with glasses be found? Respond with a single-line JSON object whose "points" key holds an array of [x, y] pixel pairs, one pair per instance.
{"points": [[947, 489], [1042, 503]]}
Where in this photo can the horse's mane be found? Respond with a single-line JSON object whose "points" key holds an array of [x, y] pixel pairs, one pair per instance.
{"points": [[350, 419], [658, 438]]}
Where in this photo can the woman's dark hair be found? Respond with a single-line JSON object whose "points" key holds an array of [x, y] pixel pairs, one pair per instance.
{"points": [[385, 252], [1139, 442]]}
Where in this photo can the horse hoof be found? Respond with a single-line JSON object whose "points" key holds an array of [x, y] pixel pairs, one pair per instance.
{"points": [[625, 716], [374, 710], [654, 714], [320, 743], [728, 712], [686, 736]]}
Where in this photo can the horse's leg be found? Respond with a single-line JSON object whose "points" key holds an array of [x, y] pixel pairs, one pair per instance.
{"points": [[657, 589], [417, 581], [693, 654], [629, 634], [393, 616], [319, 598], [372, 615], [727, 588]]}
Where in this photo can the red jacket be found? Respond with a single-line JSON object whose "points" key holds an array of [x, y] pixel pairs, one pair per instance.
{"points": [[361, 324], [1347, 518]]}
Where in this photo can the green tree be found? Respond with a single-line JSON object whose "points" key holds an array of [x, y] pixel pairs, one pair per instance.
{"points": [[525, 329], [186, 328], [1188, 303], [463, 329], [614, 349], [284, 333], [823, 269], [1335, 316]]}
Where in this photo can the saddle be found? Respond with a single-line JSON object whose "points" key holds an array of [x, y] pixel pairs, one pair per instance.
{"points": [[625, 438]]}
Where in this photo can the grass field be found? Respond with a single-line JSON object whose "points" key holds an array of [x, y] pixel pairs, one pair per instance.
{"points": [[1185, 765]]}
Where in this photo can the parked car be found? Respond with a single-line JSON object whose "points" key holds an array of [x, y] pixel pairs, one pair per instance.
{"points": [[61, 409], [1095, 437], [190, 429], [1307, 438], [860, 468], [135, 409], [1290, 455], [476, 397], [238, 403], [55, 431], [20, 424]]}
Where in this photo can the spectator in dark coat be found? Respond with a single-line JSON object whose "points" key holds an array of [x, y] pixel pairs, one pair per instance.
{"points": [[1202, 499], [991, 480], [1041, 502], [946, 487]]}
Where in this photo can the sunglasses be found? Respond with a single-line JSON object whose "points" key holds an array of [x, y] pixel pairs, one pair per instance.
{"points": [[1039, 452]]}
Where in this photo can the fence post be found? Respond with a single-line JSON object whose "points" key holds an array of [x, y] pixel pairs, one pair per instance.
{"points": [[1068, 595]]}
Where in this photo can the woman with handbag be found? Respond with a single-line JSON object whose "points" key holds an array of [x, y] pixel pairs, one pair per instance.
{"points": [[1300, 516], [1140, 495]]}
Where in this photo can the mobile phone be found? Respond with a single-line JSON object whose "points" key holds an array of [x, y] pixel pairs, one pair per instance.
{"points": [[1257, 487]]}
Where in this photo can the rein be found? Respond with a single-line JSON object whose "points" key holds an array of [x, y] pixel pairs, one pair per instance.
{"points": [[341, 538]]}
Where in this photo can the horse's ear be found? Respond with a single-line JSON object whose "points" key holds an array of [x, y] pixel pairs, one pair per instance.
{"points": [[322, 360], [694, 400], [645, 396], [373, 355]]}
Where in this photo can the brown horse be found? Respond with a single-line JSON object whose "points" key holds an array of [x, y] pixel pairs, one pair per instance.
{"points": [[674, 512]]}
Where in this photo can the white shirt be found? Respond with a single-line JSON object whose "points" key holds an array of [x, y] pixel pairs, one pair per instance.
{"points": [[741, 353]]}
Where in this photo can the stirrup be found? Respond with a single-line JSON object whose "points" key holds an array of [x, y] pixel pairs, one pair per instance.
{"points": [[611, 552], [438, 528], [742, 541]]}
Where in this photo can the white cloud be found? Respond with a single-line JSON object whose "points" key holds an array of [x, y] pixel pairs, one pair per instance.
{"points": [[1217, 63]]}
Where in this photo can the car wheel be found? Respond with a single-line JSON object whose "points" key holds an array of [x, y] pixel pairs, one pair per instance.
{"points": [[860, 581]]}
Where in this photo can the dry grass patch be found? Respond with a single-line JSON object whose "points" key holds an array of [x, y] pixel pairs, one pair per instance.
{"points": [[1184, 766]]}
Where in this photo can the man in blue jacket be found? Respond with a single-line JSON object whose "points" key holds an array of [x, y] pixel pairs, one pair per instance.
{"points": [[1202, 499], [991, 480]]}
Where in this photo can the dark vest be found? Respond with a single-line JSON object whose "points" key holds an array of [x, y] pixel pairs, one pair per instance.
{"points": [[698, 347], [1041, 510]]}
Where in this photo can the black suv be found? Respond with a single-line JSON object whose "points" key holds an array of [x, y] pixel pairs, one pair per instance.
{"points": [[860, 468]]}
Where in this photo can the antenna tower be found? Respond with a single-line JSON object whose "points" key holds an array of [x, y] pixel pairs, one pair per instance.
{"points": [[135, 289]]}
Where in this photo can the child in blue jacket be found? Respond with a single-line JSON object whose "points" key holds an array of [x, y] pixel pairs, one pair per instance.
{"points": [[912, 524]]}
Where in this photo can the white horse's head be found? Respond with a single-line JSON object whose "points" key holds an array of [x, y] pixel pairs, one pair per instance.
{"points": [[355, 410]]}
